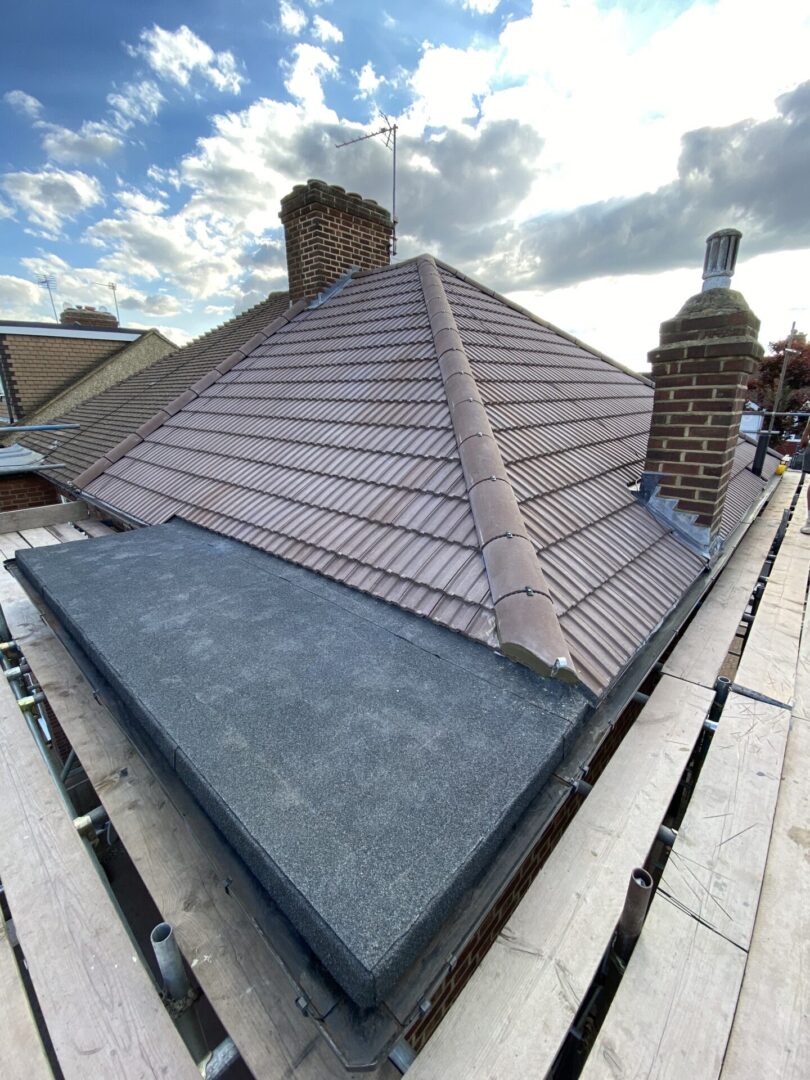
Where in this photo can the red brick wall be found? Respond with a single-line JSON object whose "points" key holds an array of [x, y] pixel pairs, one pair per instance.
{"points": [[497, 917], [514, 891], [327, 232], [21, 490]]}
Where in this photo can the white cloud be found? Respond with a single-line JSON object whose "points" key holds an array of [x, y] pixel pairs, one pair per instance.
{"points": [[52, 196], [621, 316], [135, 103], [309, 66], [548, 117], [160, 303], [326, 31], [23, 103], [21, 299], [481, 7], [368, 80], [85, 285], [137, 201], [194, 251], [176, 334], [177, 55], [92, 142], [291, 19], [448, 83]]}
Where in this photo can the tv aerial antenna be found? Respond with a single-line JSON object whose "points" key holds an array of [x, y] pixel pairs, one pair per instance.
{"points": [[112, 287], [389, 133], [49, 283]]}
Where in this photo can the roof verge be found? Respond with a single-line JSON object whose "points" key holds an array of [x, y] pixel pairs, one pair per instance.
{"points": [[528, 628], [162, 415]]}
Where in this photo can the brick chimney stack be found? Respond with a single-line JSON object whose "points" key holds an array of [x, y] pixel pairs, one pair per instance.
{"points": [[701, 369], [328, 232], [89, 317]]}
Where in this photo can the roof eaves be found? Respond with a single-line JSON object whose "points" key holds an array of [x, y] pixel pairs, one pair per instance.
{"points": [[162, 415], [542, 322], [528, 628]]}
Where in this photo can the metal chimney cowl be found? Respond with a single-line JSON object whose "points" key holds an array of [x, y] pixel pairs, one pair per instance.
{"points": [[720, 259]]}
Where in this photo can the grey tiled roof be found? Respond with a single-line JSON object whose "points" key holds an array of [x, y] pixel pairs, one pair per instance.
{"points": [[332, 445], [110, 416]]}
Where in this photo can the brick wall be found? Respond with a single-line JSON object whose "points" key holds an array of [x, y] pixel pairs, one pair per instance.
{"points": [[701, 370], [36, 367], [135, 356], [513, 892], [482, 940], [18, 491], [328, 231]]}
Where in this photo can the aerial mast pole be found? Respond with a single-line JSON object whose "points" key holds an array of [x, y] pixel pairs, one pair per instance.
{"points": [[49, 283], [388, 130]]}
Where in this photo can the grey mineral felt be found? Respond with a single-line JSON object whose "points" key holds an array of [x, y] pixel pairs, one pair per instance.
{"points": [[363, 762]]}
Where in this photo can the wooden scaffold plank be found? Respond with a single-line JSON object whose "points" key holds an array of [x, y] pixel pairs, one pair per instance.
{"points": [[699, 654], [39, 537], [512, 1017], [103, 1013], [237, 970], [771, 1032], [672, 1013], [35, 516], [22, 1056], [771, 655]]}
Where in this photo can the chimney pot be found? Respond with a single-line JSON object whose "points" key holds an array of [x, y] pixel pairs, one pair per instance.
{"points": [[721, 258]]}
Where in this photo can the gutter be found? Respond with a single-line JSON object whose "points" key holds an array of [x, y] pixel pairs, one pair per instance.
{"points": [[129, 520]]}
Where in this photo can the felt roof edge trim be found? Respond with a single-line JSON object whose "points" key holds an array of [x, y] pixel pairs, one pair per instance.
{"points": [[528, 628]]}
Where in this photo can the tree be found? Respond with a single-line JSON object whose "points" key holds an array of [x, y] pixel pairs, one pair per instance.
{"points": [[763, 386]]}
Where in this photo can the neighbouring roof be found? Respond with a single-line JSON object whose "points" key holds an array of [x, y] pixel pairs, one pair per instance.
{"points": [[363, 762], [46, 329], [110, 416], [38, 363], [333, 445]]}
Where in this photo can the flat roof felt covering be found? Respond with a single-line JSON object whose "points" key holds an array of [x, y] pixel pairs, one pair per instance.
{"points": [[364, 762]]}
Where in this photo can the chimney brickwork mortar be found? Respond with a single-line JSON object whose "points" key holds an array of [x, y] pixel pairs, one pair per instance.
{"points": [[701, 369], [329, 232]]}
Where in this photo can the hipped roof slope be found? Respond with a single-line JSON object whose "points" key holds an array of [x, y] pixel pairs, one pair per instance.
{"points": [[414, 437], [112, 415]]}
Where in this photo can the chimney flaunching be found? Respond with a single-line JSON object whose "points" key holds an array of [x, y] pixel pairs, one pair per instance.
{"points": [[701, 369], [328, 232]]}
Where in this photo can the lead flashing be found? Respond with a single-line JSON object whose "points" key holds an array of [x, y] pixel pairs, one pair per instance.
{"points": [[528, 628]]}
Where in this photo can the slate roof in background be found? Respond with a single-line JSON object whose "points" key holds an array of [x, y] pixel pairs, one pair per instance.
{"points": [[110, 416], [332, 446]]}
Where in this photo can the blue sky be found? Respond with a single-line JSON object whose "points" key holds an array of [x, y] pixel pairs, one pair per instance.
{"points": [[571, 153]]}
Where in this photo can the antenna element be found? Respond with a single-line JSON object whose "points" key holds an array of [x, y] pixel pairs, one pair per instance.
{"points": [[112, 287], [49, 283], [389, 131]]}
